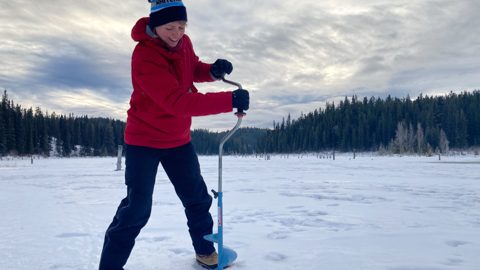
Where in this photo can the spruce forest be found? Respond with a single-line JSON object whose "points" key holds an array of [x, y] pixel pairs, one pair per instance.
{"points": [[395, 125], [32, 132], [423, 125]]}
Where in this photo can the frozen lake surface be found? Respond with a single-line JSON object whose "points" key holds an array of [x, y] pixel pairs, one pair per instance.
{"points": [[300, 212]]}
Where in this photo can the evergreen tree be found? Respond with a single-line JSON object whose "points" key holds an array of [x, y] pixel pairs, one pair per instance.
{"points": [[42, 146], [19, 130], [3, 134], [108, 147], [29, 131]]}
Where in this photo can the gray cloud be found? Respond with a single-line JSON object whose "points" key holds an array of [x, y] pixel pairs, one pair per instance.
{"points": [[292, 56], [79, 68]]}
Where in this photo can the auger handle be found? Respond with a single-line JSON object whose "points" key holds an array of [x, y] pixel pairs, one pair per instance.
{"points": [[232, 83], [239, 113]]}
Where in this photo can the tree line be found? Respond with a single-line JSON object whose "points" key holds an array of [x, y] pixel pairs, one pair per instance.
{"points": [[423, 125], [33, 132], [396, 125], [245, 141]]}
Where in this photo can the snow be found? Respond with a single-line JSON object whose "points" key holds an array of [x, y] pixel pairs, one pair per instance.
{"points": [[295, 212]]}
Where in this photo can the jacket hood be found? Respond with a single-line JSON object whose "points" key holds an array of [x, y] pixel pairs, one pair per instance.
{"points": [[139, 30]]}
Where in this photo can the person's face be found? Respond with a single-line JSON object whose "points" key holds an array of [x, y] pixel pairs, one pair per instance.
{"points": [[172, 32]]}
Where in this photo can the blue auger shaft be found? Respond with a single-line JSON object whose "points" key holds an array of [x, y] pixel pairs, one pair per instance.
{"points": [[239, 115]]}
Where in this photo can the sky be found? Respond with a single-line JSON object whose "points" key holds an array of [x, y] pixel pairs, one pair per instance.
{"points": [[293, 56]]}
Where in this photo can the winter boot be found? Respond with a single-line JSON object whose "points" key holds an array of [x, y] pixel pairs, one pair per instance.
{"points": [[208, 261]]}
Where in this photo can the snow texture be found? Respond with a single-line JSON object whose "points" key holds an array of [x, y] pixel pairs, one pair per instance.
{"points": [[300, 212]]}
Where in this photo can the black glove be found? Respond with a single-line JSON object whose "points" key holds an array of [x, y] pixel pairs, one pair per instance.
{"points": [[220, 67], [240, 99]]}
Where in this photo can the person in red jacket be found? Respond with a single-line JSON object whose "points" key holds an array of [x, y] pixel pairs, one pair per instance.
{"points": [[164, 99]]}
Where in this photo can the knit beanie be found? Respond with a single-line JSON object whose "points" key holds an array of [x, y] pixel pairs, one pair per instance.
{"points": [[165, 11]]}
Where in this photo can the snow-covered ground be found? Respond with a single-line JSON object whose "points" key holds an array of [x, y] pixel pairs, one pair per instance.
{"points": [[371, 213]]}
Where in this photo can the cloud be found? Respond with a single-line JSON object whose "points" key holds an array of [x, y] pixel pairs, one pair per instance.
{"points": [[79, 67], [292, 56], [56, 48]]}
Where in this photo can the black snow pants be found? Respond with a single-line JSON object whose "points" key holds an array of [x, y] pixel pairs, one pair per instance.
{"points": [[183, 169]]}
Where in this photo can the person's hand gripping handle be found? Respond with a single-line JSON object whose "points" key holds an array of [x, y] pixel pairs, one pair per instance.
{"points": [[240, 98]]}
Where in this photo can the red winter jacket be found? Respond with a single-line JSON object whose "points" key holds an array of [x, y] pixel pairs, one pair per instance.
{"points": [[164, 98]]}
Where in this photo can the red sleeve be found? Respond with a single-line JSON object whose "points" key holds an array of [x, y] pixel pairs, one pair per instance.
{"points": [[152, 75], [202, 73]]}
